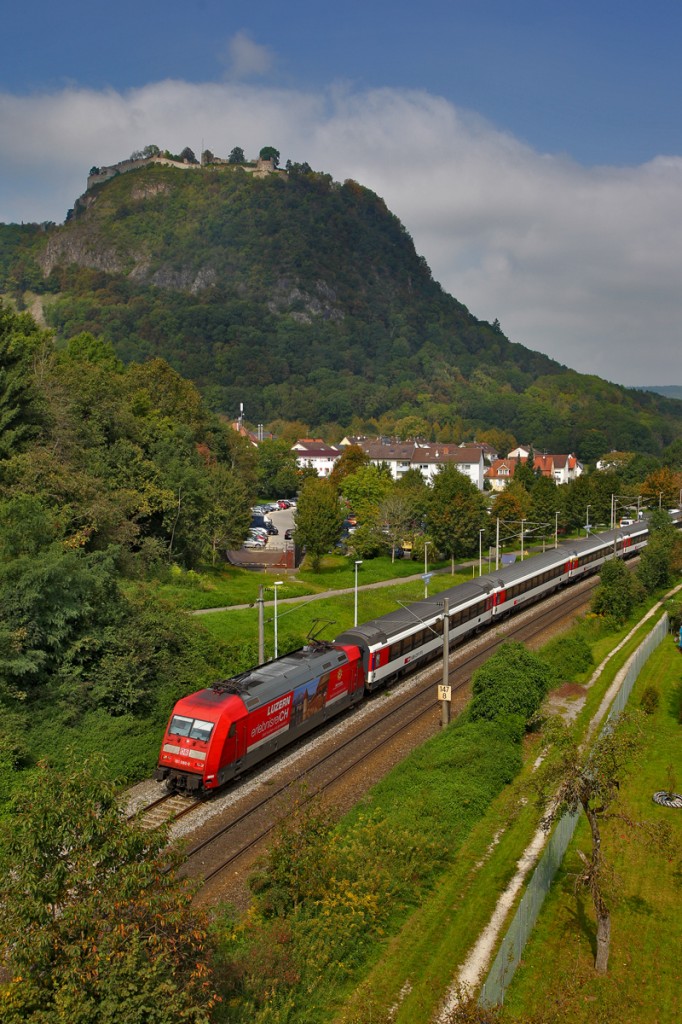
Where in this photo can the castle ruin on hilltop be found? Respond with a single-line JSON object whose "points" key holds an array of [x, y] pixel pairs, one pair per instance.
{"points": [[259, 168]]}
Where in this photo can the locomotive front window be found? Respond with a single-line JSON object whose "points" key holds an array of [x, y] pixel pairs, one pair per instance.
{"points": [[180, 726], [193, 728], [201, 730]]}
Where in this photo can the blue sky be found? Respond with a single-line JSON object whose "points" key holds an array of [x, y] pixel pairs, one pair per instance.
{"points": [[531, 148]]}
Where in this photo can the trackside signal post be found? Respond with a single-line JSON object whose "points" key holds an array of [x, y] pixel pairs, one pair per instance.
{"points": [[445, 690]]}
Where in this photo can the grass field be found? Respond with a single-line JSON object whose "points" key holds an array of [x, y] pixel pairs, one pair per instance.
{"points": [[642, 985], [295, 621], [228, 585]]}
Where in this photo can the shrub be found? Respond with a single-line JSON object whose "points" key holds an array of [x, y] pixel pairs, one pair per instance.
{"points": [[513, 682], [650, 700], [568, 656]]}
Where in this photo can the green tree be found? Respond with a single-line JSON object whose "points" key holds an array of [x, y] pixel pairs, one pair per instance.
{"points": [[96, 925], [19, 407], [319, 519], [575, 498], [270, 153], [236, 156], [544, 505], [365, 490], [396, 519], [277, 469], [524, 472], [617, 593], [226, 521], [352, 458], [456, 514], [49, 603], [661, 555]]}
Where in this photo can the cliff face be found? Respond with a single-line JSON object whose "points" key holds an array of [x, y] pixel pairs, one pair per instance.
{"points": [[305, 299]]}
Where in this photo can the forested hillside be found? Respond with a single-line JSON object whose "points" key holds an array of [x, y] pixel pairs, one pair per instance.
{"points": [[304, 299]]}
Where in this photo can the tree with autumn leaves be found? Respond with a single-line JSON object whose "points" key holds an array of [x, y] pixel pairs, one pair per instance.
{"points": [[97, 927]]}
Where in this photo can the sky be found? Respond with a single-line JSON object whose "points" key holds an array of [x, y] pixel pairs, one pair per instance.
{"points": [[532, 149]]}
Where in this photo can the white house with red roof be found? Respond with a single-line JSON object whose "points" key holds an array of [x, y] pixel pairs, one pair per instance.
{"points": [[427, 458], [313, 453]]}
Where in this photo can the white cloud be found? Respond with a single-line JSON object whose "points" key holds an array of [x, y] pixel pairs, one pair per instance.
{"points": [[580, 263], [246, 58]]}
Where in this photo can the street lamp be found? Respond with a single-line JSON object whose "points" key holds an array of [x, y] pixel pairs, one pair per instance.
{"points": [[355, 616], [556, 530], [480, 552], [587, 521], [523, 523], [426, 568], [277, 583]]}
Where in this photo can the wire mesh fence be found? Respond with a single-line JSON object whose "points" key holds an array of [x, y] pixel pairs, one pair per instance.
{"points": [[511, 948]]}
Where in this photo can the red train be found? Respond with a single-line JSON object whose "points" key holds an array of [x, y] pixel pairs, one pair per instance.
{"points": [[215, 734]]}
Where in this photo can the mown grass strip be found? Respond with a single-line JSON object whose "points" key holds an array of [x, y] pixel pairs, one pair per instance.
{"points": [[642, 984]]}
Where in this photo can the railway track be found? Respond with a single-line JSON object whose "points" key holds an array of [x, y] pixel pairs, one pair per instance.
{"points": [[168, 808], [411, 709]]}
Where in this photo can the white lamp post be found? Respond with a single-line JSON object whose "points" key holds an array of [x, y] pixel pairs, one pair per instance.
{"points": [[355, 615], [480, 552], [426, 568], [587, 521], [277, 583]]}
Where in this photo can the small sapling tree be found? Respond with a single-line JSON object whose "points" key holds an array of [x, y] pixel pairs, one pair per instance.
{"points": [[590, 781]]}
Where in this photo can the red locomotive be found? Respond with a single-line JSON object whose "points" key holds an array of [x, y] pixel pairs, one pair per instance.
{"points": [[215, 734]]}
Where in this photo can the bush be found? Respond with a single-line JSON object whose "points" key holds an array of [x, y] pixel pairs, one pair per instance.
{"points": [[513, 682], [568, 656], [650, 700]]}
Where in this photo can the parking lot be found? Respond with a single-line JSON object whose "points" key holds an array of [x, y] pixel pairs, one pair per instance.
{"points": [[283, 519]]}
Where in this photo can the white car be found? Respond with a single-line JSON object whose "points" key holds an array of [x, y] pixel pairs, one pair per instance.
{"points": [[253, 542]]}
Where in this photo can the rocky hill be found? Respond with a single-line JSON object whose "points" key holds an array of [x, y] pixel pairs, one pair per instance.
{"points": [[305, 300]]}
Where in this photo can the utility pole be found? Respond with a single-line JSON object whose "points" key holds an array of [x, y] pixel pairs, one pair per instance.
{"points": [[444, 691], [497, 545]]}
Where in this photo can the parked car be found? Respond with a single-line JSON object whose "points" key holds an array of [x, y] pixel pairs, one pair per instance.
{"points": [[260, 519], [272, 529], [254, 542], [283, 503], [259, 531], [289, 534]]}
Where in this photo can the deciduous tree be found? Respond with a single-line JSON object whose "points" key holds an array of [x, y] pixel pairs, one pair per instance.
{"points": [[590, 781], [96, 925], [456, 514], [319, 519]]}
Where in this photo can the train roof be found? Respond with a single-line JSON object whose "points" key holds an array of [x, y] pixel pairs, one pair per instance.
{"points": [[262, 684], [384, 629]]}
